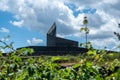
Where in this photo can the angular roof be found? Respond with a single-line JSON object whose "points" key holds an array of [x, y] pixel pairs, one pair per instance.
{"points": [[54, 41], [52, 30]]}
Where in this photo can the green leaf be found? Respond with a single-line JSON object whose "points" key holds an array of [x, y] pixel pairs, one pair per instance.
{"points": [[85, 21], [0, 53], [89, 64], [76, 65], [91, 52], [82, 29], [81, 44]]}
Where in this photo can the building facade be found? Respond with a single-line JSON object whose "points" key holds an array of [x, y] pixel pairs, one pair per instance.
{"points": [[57, 45], [54, 41]]}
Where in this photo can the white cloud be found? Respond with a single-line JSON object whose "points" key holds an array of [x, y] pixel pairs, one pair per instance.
{"points": [[101, 43], [3, 5], [34, 41], [17, 23], [2, 50], [40, 14], [117, 47], [60, 35], [5, 30], [4, 39], [29, 42]]}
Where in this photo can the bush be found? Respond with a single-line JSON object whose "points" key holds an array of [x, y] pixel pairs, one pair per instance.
{"points": [[15, 67]]}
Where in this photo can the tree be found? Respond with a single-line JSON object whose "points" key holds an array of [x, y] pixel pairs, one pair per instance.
{"points": [[118, 34], [85, 22]]}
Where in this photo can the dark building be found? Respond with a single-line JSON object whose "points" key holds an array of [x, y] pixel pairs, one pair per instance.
{"points": [[54, 41], [57, 45]]}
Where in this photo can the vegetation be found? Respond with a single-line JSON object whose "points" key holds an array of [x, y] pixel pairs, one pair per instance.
{"points": [[93, 65], [118, 36], [86, 30]]}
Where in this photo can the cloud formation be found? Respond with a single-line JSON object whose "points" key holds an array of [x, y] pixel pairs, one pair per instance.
{"points": [[34, 41], [17, 23], [2, 50], [5, 30], [103, 16]]}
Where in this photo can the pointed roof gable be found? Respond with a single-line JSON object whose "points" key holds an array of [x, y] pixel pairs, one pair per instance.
{"points": [[52, 30]]}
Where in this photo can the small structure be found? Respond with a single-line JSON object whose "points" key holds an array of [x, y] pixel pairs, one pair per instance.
{"points": [[57, 45]]}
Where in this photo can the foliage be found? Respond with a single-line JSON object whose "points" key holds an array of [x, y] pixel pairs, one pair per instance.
{"points": [[118, 36], [84, 29], [91, 66]]}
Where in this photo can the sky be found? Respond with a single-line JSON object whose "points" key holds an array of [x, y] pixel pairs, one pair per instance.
{"points": [[27, 21]]}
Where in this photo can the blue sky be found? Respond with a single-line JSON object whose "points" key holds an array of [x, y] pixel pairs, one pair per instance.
{"points": [[28, 21], [19, 36]]}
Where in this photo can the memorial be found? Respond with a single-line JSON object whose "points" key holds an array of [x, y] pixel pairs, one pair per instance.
{"points": [[54, 41], [57, 45]]}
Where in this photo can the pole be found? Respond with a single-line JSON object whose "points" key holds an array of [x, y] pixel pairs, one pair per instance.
{"points": [[85, 22], [86, 36]]}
